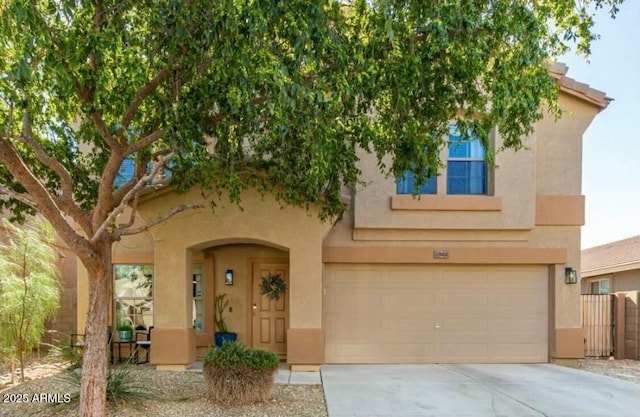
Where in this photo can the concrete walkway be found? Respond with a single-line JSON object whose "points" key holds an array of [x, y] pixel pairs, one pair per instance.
{"points": [[536, 390], [284, 375]]}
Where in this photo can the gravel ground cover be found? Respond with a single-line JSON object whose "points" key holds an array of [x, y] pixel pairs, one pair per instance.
{"points": [[626, 369], [179, 394], [182, 394]]}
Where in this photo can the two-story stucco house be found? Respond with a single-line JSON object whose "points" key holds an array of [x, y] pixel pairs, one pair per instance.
{"points": [[473, 271]]}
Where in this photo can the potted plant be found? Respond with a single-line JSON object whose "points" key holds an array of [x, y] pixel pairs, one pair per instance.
{"points": [[235, 374], [125, 331], [222, 334]]}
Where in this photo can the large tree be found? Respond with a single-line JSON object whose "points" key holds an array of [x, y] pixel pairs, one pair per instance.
{"points": [[229, 94]]}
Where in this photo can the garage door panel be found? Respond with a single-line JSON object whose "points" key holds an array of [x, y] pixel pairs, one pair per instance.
{"points": [[355, 330], [408, 352], [407, 278], [466, 324], [457, 314], [462, 352], [353, 275], [514, 352], [526, 324], [408, 331], [461, 303], [395, 301], [354, 353], [525, 301], [355, 302], [522, 338]]}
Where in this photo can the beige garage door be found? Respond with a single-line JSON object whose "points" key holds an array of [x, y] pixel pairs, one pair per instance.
{"points": [[433, 314]]}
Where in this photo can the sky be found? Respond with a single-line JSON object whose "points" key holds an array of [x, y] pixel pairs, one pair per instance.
{"points": [[611, 144]]}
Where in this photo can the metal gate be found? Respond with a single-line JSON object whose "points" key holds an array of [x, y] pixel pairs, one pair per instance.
{"points": [[597, 316]]}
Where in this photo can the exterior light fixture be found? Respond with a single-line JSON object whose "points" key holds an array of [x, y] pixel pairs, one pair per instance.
{"points": [[228, 277], [570, 275]]}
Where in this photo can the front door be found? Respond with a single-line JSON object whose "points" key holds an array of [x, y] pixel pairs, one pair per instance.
{"points": [[270, 318]]}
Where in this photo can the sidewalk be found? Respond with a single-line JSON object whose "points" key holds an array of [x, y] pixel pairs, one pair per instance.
{"points": [[284, 375]]}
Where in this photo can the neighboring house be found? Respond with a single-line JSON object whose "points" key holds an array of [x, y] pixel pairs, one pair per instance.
{"points": [[612, 267], [473, 271]]}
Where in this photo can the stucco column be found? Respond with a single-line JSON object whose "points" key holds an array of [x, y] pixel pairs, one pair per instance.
{"points": [[568, 335], [173, 336], [305, 338]]}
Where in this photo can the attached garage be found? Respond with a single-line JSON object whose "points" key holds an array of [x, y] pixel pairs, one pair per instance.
{"points": [[436, 314]]}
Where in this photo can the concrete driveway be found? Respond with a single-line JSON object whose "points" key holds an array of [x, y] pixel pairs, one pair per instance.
{"points": [[475, 391]]}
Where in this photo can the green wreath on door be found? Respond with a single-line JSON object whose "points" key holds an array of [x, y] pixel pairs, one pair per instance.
{"points": [[273, 286]]}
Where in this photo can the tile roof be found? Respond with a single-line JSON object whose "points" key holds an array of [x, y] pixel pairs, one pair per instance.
{"points": [[613, 254], [558, 71]]}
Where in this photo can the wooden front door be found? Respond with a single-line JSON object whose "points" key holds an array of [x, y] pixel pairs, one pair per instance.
{"points": [[270, 318]]}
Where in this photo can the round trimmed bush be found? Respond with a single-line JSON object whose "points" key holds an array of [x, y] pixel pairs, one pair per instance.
{"points": [[235, 374]]}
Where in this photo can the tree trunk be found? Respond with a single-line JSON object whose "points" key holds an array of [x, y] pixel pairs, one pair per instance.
{"points": [[93, 394], [21, 359]]}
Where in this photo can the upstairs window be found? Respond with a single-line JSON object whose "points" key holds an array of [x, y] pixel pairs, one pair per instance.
{"points": [[128, 167], [405, 184], [126, 171], [466, 166]]}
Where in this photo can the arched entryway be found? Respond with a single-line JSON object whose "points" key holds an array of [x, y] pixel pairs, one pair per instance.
{"points": [[236, 269]]}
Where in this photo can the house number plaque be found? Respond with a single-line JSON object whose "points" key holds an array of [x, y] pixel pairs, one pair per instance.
{"points": [[441, 254]]}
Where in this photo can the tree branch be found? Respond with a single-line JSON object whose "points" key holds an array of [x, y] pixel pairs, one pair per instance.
{"points": [[21, 197], [157, 220], [65, 199], [41, 197], [132, 217], [102, 129], [143, 142], [221, 116], [120, 192], [130, 195], [135, 104]]}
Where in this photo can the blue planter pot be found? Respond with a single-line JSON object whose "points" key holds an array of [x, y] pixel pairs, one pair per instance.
{"points": [[220, 338], [125, 335]]}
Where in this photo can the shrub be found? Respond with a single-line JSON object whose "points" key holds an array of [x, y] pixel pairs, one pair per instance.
{"points": [[64, 351], [236, 374], [123, 386]]}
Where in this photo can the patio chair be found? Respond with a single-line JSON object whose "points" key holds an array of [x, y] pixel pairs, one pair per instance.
{"points": [[143, 341], [77, 341]]}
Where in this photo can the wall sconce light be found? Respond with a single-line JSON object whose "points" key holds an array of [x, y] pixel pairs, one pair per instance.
{"points": [[570, 275], [228, 277]]}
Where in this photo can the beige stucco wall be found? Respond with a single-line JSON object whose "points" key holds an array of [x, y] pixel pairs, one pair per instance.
{"points": [[551, 164], [65, 321], [626, 281], [259, 220], [559, 159], [373, 210]]}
